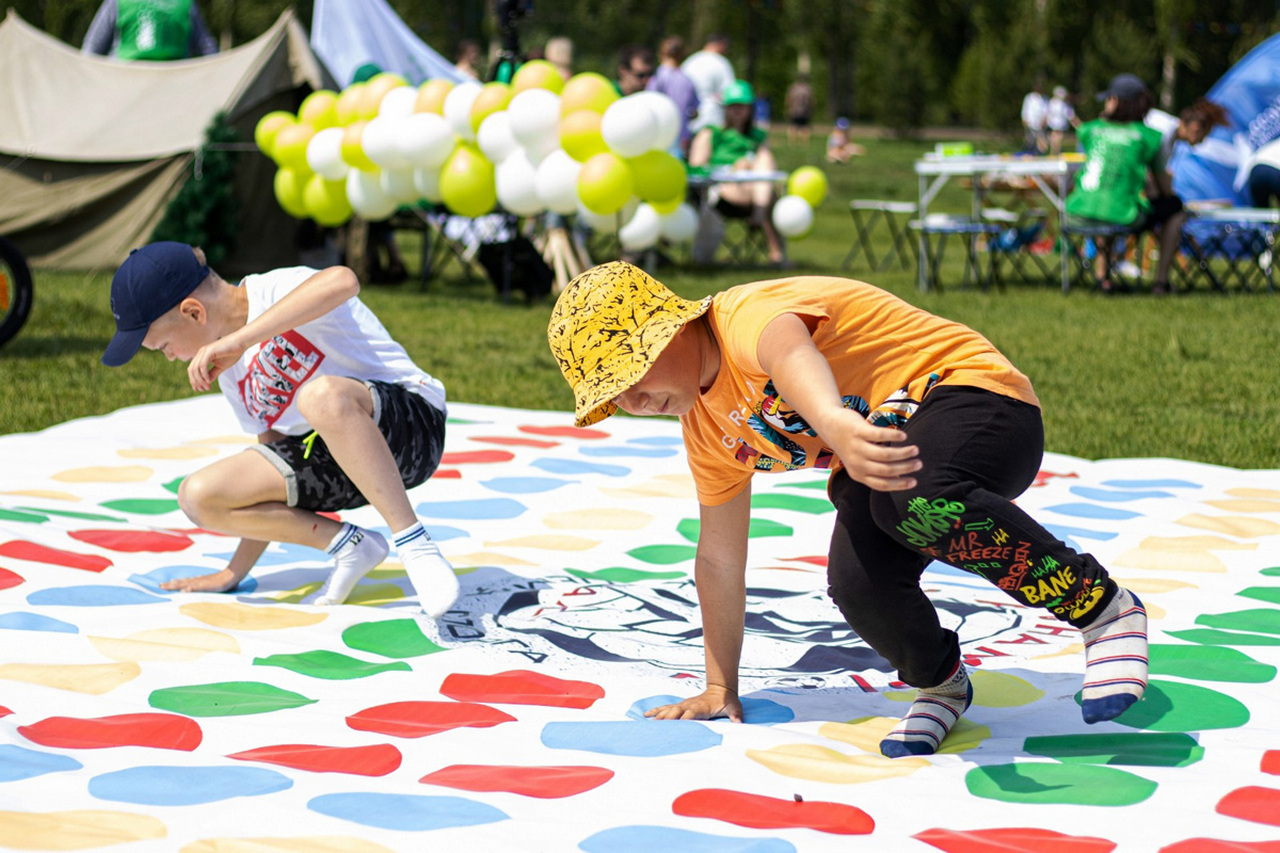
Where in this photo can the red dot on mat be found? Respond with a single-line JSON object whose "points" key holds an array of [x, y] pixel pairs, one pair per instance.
{"points": [[521, 687], [759, 812], [543, 782], [447, 474], [376, 760], [161, 731], [132, 541], [565, 432], [816, 561], [419, 719], [1012, 840], [8, 579], [19, 550], [516, 442], [4, 712], [1271, 762], [1214, 845], [477, 456], [1253, 802]]}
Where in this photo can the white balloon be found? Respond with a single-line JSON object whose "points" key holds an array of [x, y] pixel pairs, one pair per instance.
{"points": [[495, 138], [535, 118], [427, 183], [425, 139], [607, 223], [629, 126], [364, 191], [668, 117], [643, 231], [398, 185], [517, 192], [324, 154], [538, 153], [680, 225], [457, 108], [557, 182], [399, 102], [792, 216], [381, 145]]}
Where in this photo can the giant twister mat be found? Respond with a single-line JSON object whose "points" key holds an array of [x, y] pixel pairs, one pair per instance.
{"points": [[137, 719]]}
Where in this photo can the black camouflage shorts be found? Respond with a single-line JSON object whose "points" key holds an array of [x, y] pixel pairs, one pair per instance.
{"points": [[413, 428]]}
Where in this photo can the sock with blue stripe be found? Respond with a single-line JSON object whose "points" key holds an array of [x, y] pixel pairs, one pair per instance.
{"points": [[355, 551], [1115, 658], [430, 573], [930, 717]]}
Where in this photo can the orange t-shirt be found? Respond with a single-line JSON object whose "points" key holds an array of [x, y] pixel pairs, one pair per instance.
{"points": [[886, 355]]}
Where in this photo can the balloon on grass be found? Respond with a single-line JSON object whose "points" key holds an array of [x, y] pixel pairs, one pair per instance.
{"points": [[516, 185], [431, 95], [580, 135], [268, 127], [398, 185], [658, 176], [425, 139], [535, 120], [642, 231], [492, 98], [605, 184], [668, 206], [382, 143], [375, 89], [457, 108], [587, 91], [792, 216], [368, 200], [352, 148], [427, 183], [537, 74], [680, 226], [290, 148], [318, 109], [399, 102], [349, 104], [324, 154], [467, 182], [556, 182], [810, 183], [326, 201], [289, 185], [629, 127], [667, 116], [495, 139]]}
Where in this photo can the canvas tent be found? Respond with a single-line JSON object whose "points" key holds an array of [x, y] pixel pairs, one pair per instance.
{"points": [[92, 149]]}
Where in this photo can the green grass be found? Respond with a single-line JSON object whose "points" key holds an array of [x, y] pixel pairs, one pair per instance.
{"points": [[1131, 376]]}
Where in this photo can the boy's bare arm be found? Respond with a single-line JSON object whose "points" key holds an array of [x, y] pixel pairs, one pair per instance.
{"points": [[871, 455], [719, 570], [314, 298]]}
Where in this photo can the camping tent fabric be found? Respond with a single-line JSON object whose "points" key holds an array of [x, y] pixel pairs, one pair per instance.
{"points": [[349, 33], [95, 147], [258, 721]]}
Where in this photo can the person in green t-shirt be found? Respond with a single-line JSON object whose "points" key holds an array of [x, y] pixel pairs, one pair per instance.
{"points": [[1121, 155], [150, 30], [740, 146]]}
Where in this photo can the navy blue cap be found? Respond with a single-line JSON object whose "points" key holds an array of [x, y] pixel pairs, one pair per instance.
{"points": [[150, 282], [1123, 86]]}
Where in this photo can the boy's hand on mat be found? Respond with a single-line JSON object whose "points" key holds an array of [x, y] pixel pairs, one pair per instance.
{"points": [[210, 360], [875, 456], [216, 582], [713, 702]]}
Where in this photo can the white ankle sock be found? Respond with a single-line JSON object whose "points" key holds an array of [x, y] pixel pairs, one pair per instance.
{"points": [[355, 551], [1115, 658], [930, 717], [429, 572]]}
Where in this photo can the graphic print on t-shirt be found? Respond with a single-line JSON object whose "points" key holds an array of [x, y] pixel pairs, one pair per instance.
{"points": [[277, 371]]}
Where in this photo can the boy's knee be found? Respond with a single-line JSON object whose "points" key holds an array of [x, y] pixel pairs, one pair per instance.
{"points": [[328, 398], [194, 496]]}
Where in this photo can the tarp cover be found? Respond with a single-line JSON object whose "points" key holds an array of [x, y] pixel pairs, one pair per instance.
{"points": [[346, 34]]}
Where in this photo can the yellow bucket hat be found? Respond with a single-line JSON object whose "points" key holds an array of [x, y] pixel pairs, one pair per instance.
{"points": [[608, 328]]}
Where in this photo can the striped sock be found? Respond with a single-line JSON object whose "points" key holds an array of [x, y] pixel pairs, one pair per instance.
{"points": [[1115, 658], [930, 717], [355, 551], [429, 572]]}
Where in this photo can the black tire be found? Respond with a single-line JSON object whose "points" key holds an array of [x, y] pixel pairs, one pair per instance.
{"points": [[15, 290]]}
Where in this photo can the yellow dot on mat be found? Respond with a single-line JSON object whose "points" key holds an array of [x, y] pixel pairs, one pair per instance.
{"points": [[546, 542], [1169, 561], [1246, 492], [598, 519], [1246, 505], [297, 594], [224, 439], [375, 594], [1153, 585], [820, 764], [867, 733], [47, 494], [76, 830], [312, 844], [92, 678], [248, 617], [167, 452], [990, 690], [662, 486], [105, 474], [1195, 543], [1243, 526], [166, 644], [488, 558]]}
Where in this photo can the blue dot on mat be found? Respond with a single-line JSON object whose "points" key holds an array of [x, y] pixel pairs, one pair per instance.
{"points": [[484, 508], [646, 739], [405, 811], [639, 452], [186, 786], [1093, 511], [282, 553], [754, 710], [645, 839], [1065, 533], [36, 622], [92, 595], [574, 466], [1151, 484], [524, 485], [17, 763], [1109, 496], [151, 580]]}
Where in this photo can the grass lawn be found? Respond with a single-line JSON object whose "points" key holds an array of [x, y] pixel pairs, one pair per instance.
{"points": [[1190, 377]]}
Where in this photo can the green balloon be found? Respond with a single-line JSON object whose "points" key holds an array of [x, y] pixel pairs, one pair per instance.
{"points": [[326, 201], [289, 186], [658, 176], [605, 184], [467, 185], [810, 183]]}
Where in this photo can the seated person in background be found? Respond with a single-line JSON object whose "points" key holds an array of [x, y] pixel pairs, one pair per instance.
{"points": [[1059, 118], [839, 148], [152, 30], [740, 145], [1191, 126], [1120, 154], [1264, 176]]}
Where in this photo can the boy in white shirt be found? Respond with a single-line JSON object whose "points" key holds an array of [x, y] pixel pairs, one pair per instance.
{"points": [[342, 414]]}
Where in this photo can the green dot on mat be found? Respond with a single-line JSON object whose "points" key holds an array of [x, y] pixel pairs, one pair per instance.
{"points": [[663, 555], [1269, 594], [394, 638], [226, 699], [798, 503], [1214, 637], [759, 528], [14, 515], [811, 484], [1070, 784], [1172, 749], [142, 506], [460, 421], [1208, 663], [1272, 572], [173, 484], [621, 575], [331, 665], [1264, 620], [1170, 706], [70, 513]]}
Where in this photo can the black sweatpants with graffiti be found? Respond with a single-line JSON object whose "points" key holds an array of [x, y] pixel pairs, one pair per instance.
{"points": [[979, 451]]}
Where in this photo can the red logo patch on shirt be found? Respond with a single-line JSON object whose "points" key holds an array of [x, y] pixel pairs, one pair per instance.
{"points": [[275, 375]]}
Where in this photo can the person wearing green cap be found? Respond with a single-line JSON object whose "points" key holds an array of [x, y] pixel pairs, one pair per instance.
{"points": [[740, 146]]}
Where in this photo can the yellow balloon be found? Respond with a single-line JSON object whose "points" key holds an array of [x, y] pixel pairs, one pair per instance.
{"points": [[667, 206], [318, 109], [580, 135], [289, 187], [537, 74], [290, 147], [605, 184], [467, 184], [492, 98], [431, 95], [264, 134], [658, 175], [350, 99], [352, 148], [326, 201], [376, 88], [810, 183], [587, 91]]}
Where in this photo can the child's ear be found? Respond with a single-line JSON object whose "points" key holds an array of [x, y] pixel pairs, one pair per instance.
{"points": [[193, 309]]}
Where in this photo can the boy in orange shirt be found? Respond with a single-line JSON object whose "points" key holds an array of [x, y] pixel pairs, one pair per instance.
{"points": [[930, 430]]}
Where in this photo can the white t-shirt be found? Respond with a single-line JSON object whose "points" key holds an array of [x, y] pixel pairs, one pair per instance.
{"points": [[710, 73], [1034, 107], [1058, 114], [349, 341]]}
